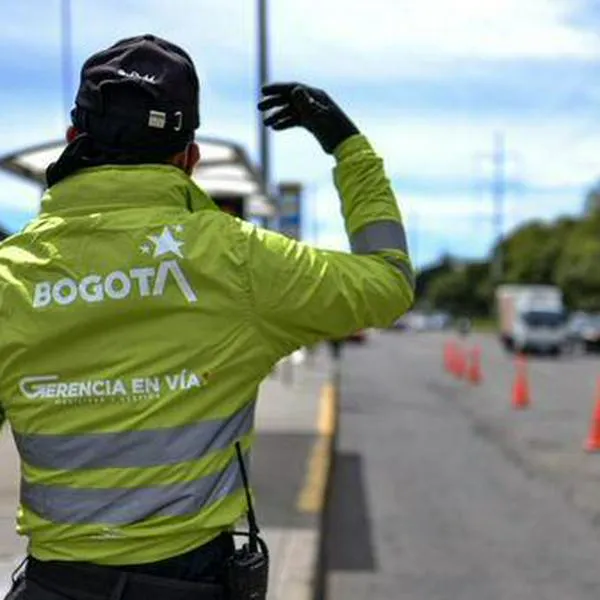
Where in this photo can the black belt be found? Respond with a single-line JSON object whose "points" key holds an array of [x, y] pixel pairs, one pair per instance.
{"points": [[94, 582]]}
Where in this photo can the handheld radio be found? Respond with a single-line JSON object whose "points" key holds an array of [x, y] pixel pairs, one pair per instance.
{"points": [[248, 568]]}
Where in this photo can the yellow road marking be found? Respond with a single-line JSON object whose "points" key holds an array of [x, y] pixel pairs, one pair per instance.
{"points": [[327, 410], [312, 495]]}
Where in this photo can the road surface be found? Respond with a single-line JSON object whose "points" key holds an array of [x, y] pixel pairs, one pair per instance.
{"points": [[431, 502]]}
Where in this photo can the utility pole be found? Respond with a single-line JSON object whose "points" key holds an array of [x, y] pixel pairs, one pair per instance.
{"points": [[263, 78], [66, 58], [498, 196]]}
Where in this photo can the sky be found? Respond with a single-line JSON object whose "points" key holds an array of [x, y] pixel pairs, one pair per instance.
{"points": [[433, 84]]}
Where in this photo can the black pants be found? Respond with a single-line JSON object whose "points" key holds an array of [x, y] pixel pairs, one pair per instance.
{"points": [[195, 575]]}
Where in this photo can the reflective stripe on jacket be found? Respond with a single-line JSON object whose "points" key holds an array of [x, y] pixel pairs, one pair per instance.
{"points": [[138, 322]]}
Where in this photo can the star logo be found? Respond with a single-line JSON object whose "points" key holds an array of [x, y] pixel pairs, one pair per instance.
{"points": [[164, 243]]}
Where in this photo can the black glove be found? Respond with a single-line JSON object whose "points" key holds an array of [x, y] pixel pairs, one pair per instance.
{"points": [[297, 104]]}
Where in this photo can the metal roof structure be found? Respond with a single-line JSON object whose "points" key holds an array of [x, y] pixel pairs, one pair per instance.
{"points": [[224, 170]]}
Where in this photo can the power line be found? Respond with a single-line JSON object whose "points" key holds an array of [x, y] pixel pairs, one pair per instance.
{"points": [[498, 188]]}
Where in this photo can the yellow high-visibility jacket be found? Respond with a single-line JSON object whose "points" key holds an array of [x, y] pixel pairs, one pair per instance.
{"points": [[138, 321]]}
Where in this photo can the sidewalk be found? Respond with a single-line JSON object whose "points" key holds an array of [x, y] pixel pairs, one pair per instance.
{"points": [[291, 468], [12, 547], [290, 465]]}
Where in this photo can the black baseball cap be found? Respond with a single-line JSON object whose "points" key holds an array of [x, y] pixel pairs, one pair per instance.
{"points": [[141, 93]]}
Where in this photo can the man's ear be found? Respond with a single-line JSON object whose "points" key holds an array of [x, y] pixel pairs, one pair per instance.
{"points": [[72, 133], [187, 159], [192, 157]]}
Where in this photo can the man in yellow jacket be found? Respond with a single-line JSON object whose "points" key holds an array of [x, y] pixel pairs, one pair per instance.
{"points": [[139, 321]]}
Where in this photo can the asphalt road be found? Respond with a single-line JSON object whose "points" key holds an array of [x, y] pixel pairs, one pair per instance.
{"points": [[442, 491]]}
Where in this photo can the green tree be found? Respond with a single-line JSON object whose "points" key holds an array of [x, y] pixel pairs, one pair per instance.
{"points": [[427, 275], [565, 252], [465, 290], [532, 252], [578, 270]]}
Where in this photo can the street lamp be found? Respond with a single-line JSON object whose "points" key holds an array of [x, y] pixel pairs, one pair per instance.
{"points": [[66, 57], [263, 77]]}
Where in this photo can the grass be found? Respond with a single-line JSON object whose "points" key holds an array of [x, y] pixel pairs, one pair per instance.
{"points": [[485, 324]]}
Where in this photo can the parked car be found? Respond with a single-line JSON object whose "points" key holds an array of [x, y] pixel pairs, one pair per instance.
{"points": [[422, 321], [439, 321], [583, 333]]}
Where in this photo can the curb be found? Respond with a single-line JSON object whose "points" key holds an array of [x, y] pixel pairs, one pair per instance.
{"points": [[320, 565], [299, 569]]}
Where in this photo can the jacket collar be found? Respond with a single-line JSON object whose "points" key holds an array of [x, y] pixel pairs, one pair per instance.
{"points": [[116, 187]]}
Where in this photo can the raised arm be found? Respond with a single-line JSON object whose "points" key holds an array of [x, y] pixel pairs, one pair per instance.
{"points": [[301, 294]]}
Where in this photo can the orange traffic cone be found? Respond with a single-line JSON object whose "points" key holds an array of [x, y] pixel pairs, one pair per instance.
{"points": [[460, 367], [520, 390], [455, 360], [448, 357], [451, 358], [475, 375], [593, 442]]}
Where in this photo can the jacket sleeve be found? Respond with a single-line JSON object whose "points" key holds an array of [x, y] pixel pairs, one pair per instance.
{"points": [[302, 295]]}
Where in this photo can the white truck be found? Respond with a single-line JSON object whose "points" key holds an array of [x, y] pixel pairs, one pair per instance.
{"points": [[531, 318]]}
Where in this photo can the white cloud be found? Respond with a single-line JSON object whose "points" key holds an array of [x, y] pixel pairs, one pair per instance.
{"points": [[346, 43], [443, 148], [403, 36], [332, 39]]}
